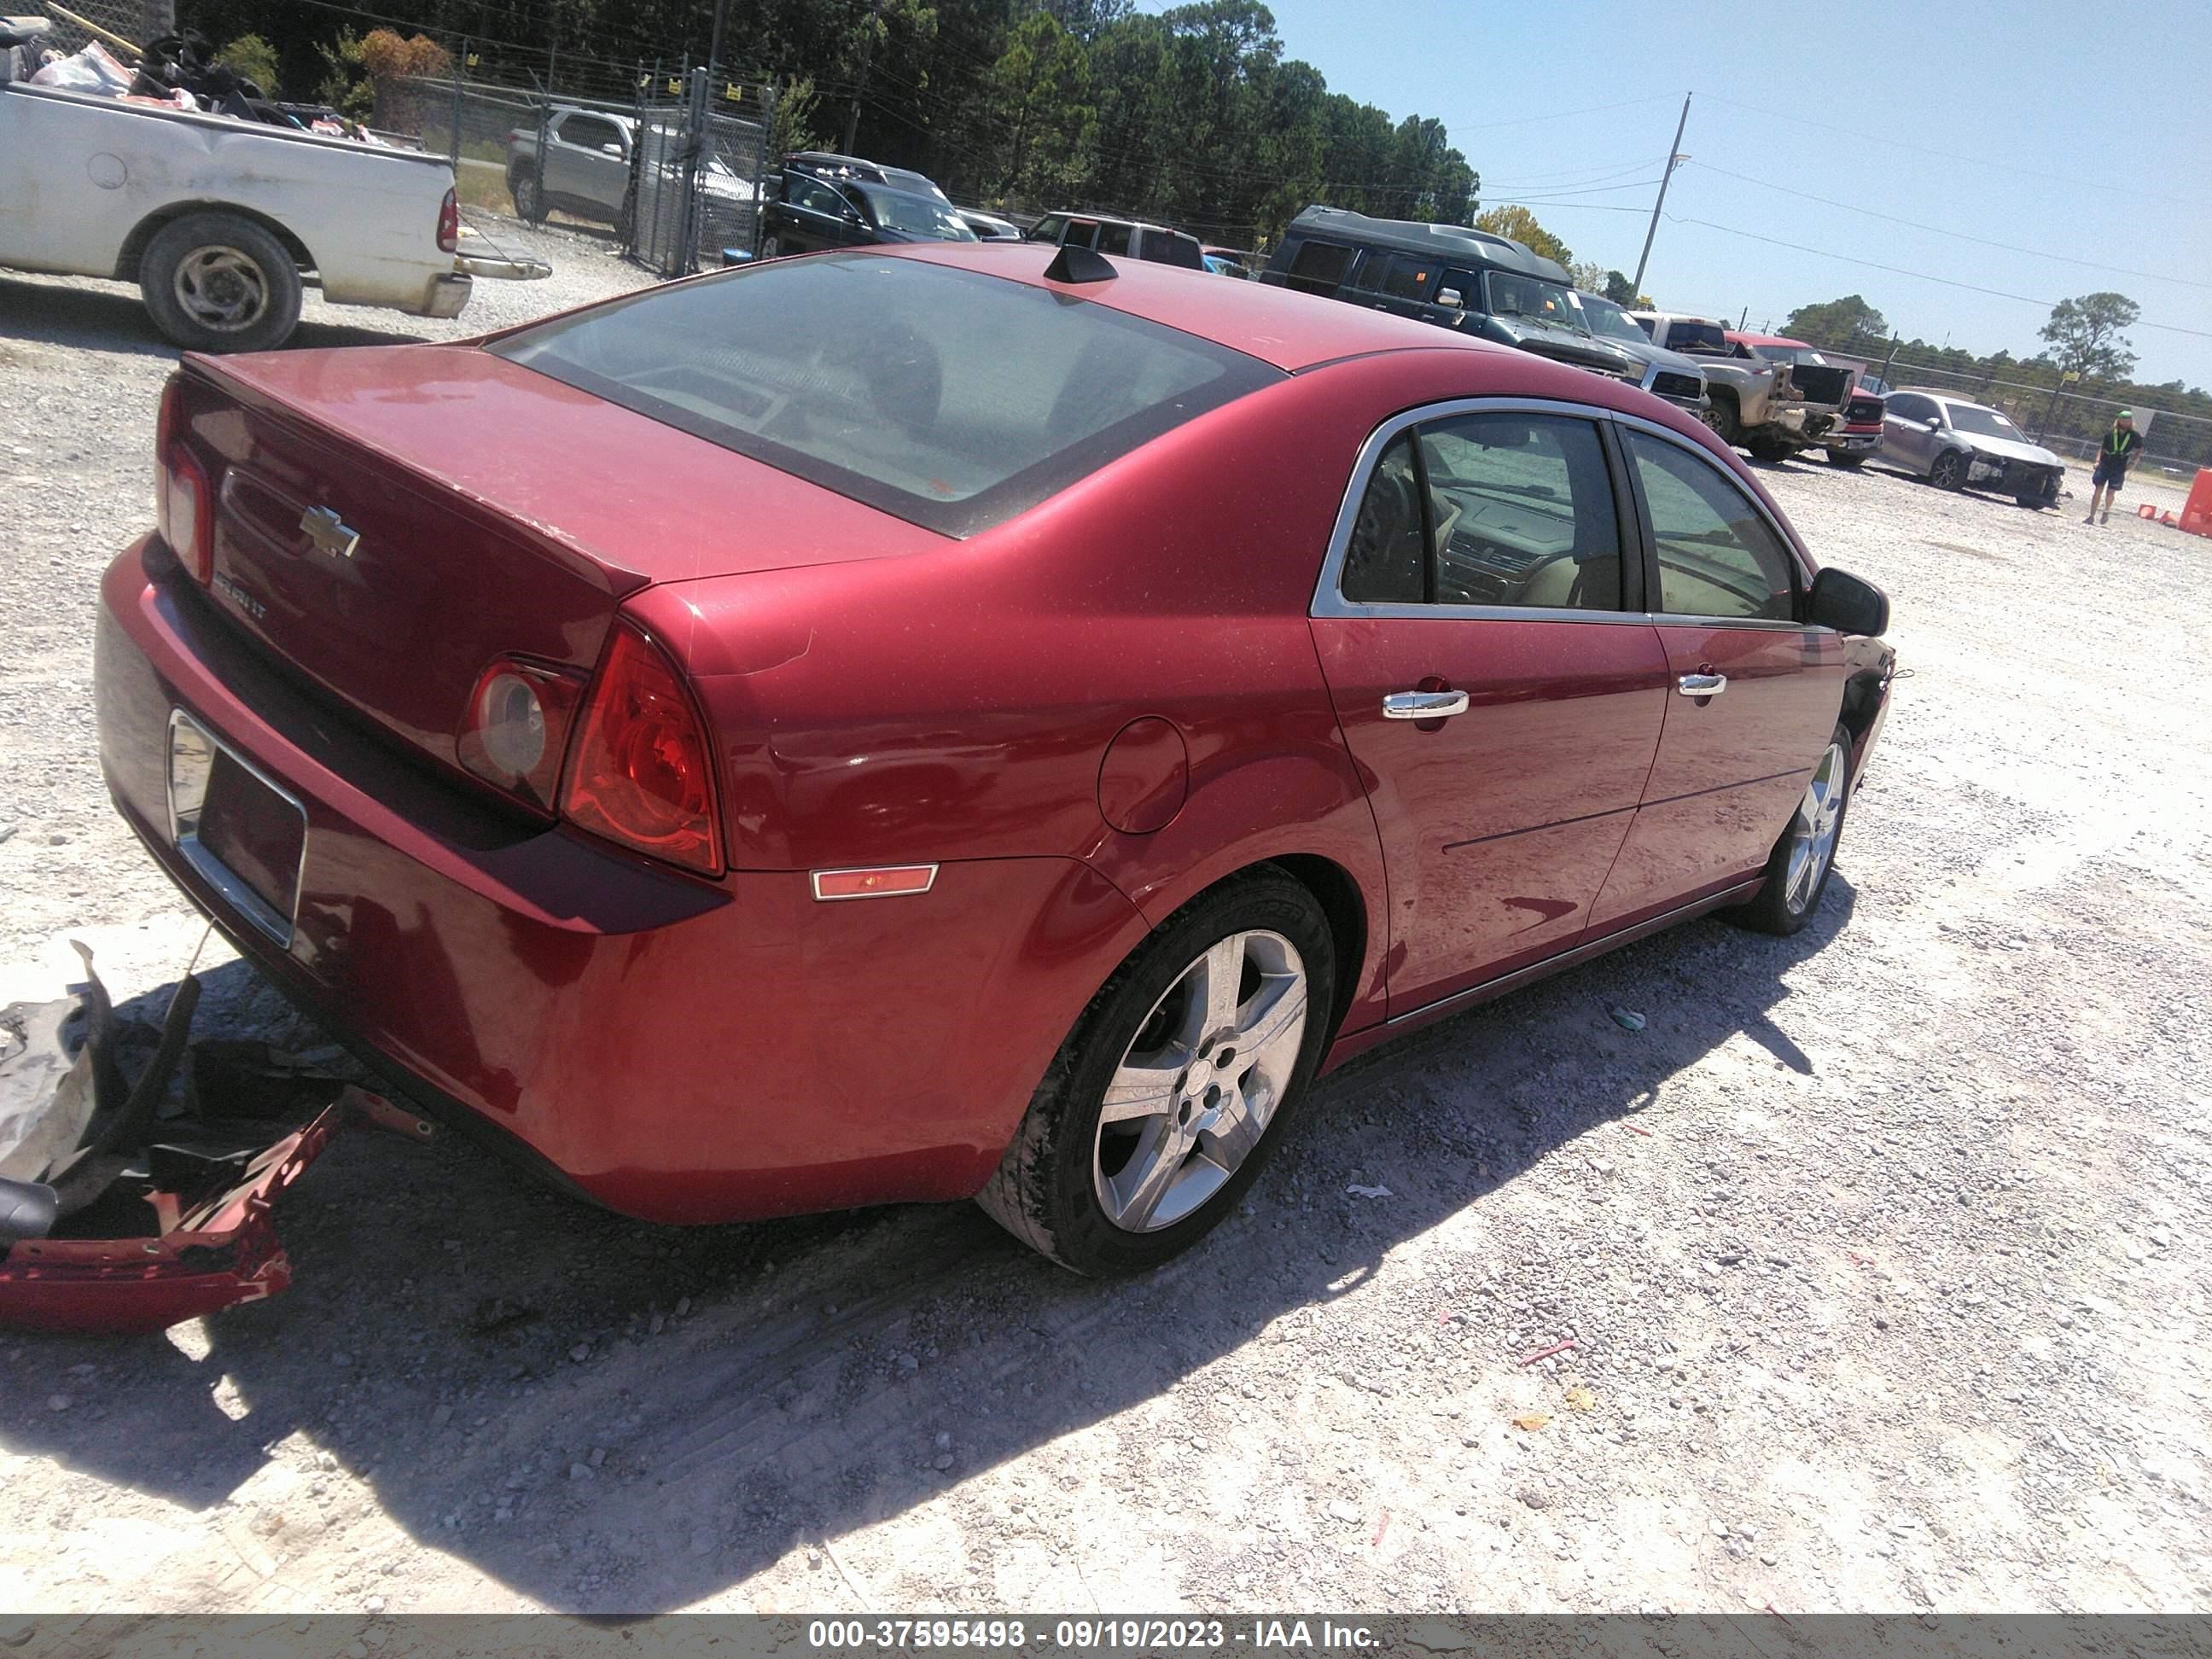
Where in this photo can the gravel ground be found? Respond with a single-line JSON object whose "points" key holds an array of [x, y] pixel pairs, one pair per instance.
{"points": [[1881, 1249]]}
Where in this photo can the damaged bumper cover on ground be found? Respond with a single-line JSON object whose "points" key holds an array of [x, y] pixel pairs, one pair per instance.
{"points": [[127, 1205]]}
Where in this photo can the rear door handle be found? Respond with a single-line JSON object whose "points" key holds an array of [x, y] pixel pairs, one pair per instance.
{"points": [[1702, 685], [1423, 705]]}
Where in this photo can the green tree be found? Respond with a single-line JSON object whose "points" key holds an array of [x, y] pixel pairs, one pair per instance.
{"points": [[1618, 289], [1521, 225], [2088, 332], [1848, 323], [253, 58], [792, 126], [1043, 83]]}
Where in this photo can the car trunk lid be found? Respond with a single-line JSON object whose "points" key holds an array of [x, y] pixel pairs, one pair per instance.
{"points": [[390, 521]]}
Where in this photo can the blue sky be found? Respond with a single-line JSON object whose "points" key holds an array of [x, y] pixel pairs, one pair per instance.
{"points": [[2081, 130]]}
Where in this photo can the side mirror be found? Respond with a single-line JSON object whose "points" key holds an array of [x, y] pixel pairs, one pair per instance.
{"points": [[1848, 603], [611, 149], [1448, 296]]}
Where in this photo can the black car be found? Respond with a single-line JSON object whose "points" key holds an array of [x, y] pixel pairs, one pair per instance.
{"points": [[808, 212], [828, 164], [1450, 275]]}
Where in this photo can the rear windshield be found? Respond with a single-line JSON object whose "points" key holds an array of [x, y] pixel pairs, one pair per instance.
{"points": [[1704, 338], [950, 398]]}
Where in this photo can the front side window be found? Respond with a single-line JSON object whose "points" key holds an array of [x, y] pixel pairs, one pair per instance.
{"points": [[1409, 278], [1317, 268], [1504, 509], [590, 131], [951, 398], [1717, 555]]}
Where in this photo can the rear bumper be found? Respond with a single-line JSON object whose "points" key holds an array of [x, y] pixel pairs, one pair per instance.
{"points": [[448, 294], [678, 1049]]}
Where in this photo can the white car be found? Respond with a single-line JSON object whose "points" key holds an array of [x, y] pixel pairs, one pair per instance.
{"points": [[221, 223]]}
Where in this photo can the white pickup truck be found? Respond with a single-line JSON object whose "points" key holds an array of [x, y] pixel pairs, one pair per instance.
{"points": [[220, 222]]}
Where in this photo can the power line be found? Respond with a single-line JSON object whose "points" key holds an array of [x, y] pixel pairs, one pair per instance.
{"points": [[2043, 174], [1981, 241], [1925, 277]]}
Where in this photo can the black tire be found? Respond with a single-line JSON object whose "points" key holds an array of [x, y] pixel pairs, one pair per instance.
{"points": [[216, 281], [1949, 471], [771, 246], [1774, 911], [529, 196], [1720, 416], [1772, 450], [1849, 461], [1045, 1191]]}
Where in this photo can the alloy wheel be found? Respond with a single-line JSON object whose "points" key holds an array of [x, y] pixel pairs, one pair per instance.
{"points": [[1201, 1081], [1950, 471], [221, 288], [1813, 832]]}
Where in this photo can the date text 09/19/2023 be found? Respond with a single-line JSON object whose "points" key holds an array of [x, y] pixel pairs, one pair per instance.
{"points": [[1087, 1635]]}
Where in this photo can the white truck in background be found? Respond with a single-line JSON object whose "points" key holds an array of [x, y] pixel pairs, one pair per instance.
{"points": [[221, 223]]}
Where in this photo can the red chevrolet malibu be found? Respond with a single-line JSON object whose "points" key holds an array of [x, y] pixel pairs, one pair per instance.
{"points": [[930, 723]]}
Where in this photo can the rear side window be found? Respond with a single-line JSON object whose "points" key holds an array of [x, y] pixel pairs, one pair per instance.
{"points": [[1317, 268], [951, 398], [1717, 555], [1504, 509]]}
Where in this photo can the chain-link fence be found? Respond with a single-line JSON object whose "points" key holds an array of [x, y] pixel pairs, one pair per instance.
{"points": [[107, 21], [2064, 419], [676, 179]]}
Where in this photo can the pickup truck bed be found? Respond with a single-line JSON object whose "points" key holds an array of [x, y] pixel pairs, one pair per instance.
{"points": [[220, 222]]}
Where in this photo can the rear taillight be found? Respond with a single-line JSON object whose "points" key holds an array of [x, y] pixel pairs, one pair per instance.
{"points": [[449, 224], [516, 729], [184, 505], [641, 772]]}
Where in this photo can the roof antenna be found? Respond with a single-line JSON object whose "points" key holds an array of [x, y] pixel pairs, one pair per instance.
{"points": [[1080, 264]]}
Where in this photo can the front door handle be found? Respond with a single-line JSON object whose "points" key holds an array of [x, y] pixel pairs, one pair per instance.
{"points": [[1702, 685], [1423, 705]]}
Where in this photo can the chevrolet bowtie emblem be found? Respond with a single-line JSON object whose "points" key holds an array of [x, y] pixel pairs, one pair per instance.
{"points": [[330, 533]]}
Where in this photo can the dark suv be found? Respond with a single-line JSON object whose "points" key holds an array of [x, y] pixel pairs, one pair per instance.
{"points": [[1470, 280], [806, 211]]}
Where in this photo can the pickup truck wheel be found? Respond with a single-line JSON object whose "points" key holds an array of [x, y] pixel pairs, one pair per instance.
{"points": [[1845, 460], [1950, 471], [215, 281], [529, 198], [1720, 415], [1798, 869], [1157, 1112]]}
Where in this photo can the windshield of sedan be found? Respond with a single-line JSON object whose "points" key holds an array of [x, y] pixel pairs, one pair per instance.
{"points": [[950, 398], [1533, 298], [1608, 319], [1982, 422], [917, 215]]}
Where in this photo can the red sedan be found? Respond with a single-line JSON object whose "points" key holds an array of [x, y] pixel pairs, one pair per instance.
{"points": [[926, 725]]}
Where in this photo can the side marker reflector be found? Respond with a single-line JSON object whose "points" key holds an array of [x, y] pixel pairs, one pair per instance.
{"points": [[887, 882]]}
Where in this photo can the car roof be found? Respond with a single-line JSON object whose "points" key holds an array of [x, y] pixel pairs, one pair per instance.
{"points": [[1942, 397], [1741, 339], [1277, 325], [1446, 241], [1115, 219]]}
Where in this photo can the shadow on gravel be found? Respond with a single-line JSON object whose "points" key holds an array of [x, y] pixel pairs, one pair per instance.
{"points": [[112, 319], [610, 1417]]}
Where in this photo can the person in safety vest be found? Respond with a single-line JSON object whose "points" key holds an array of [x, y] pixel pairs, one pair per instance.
{"points": [[2114, 455]]}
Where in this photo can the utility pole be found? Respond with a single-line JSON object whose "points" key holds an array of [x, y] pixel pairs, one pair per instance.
{"points": [[1674, 158]]}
